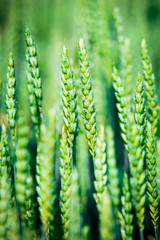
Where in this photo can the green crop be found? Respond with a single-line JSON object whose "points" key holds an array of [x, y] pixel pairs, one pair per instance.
{"points": [[23, 171], [35, 71], [33, 82], [5, 185], [4, 153], [126, 217], [121, 105], [46, 185], [100, 167], [79, 125], [5, 203], [113, 174], [65, 172], [136, 145], [138, 181], [152, 190], [69, 98], [150, 88], [88, 99], [10, 97]]}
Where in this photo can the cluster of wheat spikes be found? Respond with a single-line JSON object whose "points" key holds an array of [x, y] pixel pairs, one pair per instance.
{"points": [[58, 177]]}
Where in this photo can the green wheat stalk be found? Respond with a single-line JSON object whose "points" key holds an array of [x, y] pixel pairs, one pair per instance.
{"points": [[152, 190], [35, 71], [5, 161], [30, 193], [11, 114], [46, 177], [32, 97], [140, 185], [21, 164], [11, 96], [136, 145], [138, 179], [100, 167], [32, 66], [68, 97], [5, 198], [65, 172], [77, 82], [24, 181], [5, 185], [113, 174], [126, 217], [121, 104], [89, 111], [150, 87], [4, 152], [158, 164]]}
